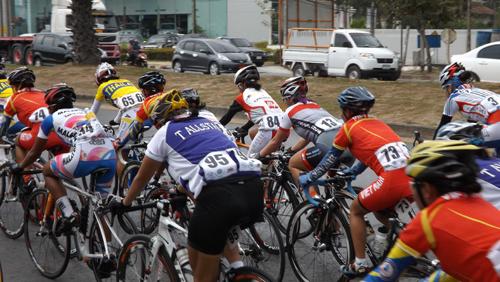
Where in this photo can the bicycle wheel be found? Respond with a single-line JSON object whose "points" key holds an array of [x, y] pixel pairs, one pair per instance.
{"points": [[105, 268], [50, 254], [283, 201], [135, 257], [313, 257], [12, 206], [262, 247], [244, 274], [129, 172]]}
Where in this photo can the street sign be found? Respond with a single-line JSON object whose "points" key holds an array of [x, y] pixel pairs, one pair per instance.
{"points": [[448, 36]]}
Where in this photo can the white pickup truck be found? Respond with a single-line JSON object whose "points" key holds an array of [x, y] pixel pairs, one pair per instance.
{"points": [[339, 52]]}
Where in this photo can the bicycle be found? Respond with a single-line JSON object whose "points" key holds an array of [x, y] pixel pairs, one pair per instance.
{"points": [[51, 252], [14, 191], [159, 258]]}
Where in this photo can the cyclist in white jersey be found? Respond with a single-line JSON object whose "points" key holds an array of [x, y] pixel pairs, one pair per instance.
{"points": [[260, 107], [91, 149], [224, 182], [311, 122], [475, 104]]}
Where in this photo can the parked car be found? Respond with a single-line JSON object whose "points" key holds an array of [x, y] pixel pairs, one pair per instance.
{"points": [[56, 48], [257, 55], [124, 36], [339, 52], [161, 41], [211, 56], [484, 62]]}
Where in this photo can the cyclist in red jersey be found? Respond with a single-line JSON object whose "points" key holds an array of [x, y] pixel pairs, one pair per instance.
{"points": [[376, 146], [455, 223], [29, 105]]}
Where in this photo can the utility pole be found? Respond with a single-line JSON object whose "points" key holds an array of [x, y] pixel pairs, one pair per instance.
{"points": [[194, 17], [468, 26]]}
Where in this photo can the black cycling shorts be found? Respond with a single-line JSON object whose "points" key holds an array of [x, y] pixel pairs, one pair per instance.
{"points": [[312, 156], [221, 206]]}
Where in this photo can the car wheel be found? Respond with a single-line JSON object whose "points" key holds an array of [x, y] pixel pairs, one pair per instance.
{"points": [[17, 54], [37, 62], [214, 69], [298, 70], [28, 55], [178, 66], [259, 64], [353, 72], [70, 61]]}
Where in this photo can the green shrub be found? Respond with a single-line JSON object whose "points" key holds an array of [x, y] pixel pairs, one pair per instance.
{"points": [[261, 45]]}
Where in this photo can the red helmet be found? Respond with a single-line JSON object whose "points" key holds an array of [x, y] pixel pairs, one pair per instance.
{"points": [[59, 94]]}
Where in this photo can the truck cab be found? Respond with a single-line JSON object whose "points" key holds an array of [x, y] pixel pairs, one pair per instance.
{"points": [[344, 52]]}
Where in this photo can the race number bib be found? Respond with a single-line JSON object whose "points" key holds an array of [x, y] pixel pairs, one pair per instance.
{"points": [[129, 100], [491, 104], [328, 123], [406, 211], [218, 165], [393, 155], [39, 115], [270, 122]]}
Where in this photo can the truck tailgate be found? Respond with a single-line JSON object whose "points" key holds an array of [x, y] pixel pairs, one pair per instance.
{"points": [[306, 56]]}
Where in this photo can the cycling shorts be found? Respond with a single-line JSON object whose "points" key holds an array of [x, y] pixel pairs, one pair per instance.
{"points": [[312, 156], [127, 118], [86, 157], [219, 207], [54, 143], [386, 191]]}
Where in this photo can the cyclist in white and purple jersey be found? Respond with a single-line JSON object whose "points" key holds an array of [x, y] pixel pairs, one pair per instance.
{"points": [[475, 104], [311, 122], [225, 183], [91, 149]]}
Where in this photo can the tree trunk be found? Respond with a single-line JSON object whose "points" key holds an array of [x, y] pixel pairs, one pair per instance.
{"points": [[84, 39], [423, 44]]}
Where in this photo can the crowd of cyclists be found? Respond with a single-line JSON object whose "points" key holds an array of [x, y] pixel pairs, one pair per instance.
{"points": [[454, 179]]}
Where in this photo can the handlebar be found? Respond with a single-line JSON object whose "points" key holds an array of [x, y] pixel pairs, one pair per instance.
{"points": [[418, 138], [326, 181], [282, 156]]}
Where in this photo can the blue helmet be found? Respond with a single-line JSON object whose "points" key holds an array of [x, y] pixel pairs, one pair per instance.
{"points": [[358, 99], [152, 81]]}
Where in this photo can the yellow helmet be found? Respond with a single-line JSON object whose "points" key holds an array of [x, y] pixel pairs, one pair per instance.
{"points": [[167, 106], [431, 158]]}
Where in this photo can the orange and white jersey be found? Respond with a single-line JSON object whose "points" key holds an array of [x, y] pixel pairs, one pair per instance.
{"points": [[258, 104]]}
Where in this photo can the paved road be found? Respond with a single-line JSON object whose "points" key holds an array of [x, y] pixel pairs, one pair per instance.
{"points": [[17, 265]]}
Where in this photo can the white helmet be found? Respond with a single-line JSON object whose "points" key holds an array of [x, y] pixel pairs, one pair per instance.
{"points": [[449, 72], [104, 72], [248, 73], [460, 130]]}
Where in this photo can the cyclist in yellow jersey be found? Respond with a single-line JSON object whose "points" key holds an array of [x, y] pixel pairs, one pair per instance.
{"points": [[5, 93], [121, 93]]}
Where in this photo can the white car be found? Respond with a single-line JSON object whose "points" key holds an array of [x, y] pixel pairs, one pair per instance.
{"points": [[484, 62]]}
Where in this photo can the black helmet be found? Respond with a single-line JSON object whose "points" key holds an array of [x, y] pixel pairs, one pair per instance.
{"points": [[3, 72], [247, 74], [294, 87], [59, 94], [358, 99], [153, 81], [21, 75], [191, 96]]}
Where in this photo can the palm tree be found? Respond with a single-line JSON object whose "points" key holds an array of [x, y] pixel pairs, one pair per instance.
{"points": [[84, 39]]}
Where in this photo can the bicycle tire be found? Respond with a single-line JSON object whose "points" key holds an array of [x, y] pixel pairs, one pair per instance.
{"points": [[140, 245], [128, 174], [61, 245], [274, 262], [281, 208], [246, 273], [303, 252], [96, 244], [12, 209]]}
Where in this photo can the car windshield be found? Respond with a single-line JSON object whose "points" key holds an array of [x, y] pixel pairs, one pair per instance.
{"points": [[241, 42], [221, 47], [157, 39], [365, 40]]}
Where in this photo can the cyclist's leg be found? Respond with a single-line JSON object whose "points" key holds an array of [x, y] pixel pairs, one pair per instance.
{"points": [[384, 193], [439, 276], [127, 118], [15, 128], [260, 140]]}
